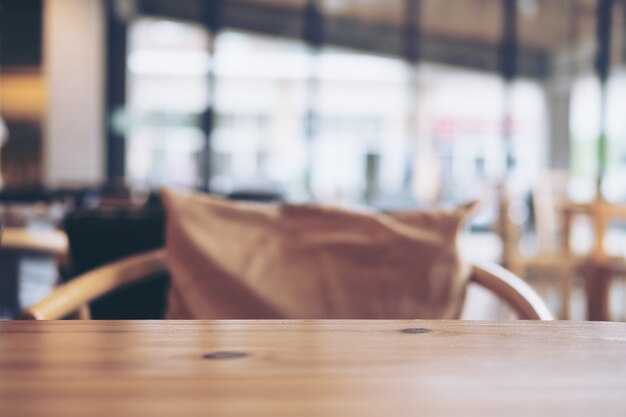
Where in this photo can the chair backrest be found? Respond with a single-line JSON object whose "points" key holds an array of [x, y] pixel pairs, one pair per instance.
{"points": [[234, 260], [548, 194], [101, 281], [98, 237]]}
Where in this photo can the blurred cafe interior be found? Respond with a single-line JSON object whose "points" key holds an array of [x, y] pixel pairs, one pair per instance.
{"points": [[366, 106]]}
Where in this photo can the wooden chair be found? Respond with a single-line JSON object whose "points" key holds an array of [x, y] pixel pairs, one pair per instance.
{"points": [[121, 232], [599, 267], [553, 261], [74, 295]]}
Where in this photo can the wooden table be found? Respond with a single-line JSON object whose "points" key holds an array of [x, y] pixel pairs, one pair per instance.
{"points": [[51, 241], [312, 368], [19, 248]]}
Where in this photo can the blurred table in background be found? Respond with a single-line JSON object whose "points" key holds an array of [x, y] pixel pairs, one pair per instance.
{"points": [[43, 240], [29, 260]]}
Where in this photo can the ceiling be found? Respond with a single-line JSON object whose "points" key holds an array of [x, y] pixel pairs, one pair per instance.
{"points": [[464, 33], [544, 25]]}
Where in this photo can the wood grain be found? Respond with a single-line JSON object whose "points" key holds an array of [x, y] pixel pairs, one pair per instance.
{"points": [[312, 368]]}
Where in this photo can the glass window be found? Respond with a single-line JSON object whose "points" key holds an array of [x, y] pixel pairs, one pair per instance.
{"points": [[261, 97], [359, 144], [168, 91], [337, 125]]}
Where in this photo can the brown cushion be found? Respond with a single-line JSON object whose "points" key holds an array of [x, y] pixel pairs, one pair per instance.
{"points": [[242, 260]]}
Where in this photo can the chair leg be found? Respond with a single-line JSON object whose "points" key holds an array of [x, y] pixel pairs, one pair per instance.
{"points": [[84, 313], [598, 281], [566, 279]]}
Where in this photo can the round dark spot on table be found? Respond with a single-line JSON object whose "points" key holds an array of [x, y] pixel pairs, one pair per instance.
{"points": [[415, 330], [224, 355]]}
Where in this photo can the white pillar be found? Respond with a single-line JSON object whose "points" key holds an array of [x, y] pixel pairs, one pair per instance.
{"points": [[558, 101], [564, 68], [73, 143]]}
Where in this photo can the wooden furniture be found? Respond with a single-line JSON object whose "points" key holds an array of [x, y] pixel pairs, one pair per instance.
{"points": [[80, 291], [49, 241], [121, 232], [552, 262], [20, 248], [599, 265], [312, 368]]}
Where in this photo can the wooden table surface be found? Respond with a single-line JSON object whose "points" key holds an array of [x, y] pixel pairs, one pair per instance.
{"points": [[312, 368]]}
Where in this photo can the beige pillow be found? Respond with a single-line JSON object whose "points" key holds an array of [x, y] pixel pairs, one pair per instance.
{"points": [[233, 260]]}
